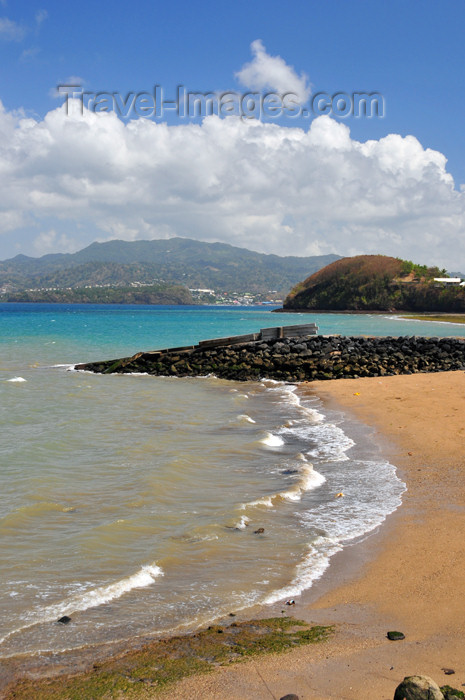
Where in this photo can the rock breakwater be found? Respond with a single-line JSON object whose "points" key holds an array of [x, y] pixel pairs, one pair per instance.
{"points": [[304, 358]]}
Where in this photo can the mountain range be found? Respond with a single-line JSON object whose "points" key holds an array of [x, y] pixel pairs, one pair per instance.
{"points": [[192, 263]]}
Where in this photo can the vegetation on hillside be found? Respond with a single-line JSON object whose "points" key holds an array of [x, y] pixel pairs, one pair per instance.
{"points": [[376, 283], [155, 294]]}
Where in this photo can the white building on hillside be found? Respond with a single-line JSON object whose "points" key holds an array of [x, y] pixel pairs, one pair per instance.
{"points": [[448, 280]]}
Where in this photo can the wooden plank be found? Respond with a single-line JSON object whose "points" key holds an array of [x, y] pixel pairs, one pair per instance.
{"points": [[299, 332], [288, 331], [181, 348], [300, 326], [269, 333], [233, 340]]}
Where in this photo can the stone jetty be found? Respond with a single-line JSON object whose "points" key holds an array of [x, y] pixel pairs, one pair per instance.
{"points": [[293, 355]]}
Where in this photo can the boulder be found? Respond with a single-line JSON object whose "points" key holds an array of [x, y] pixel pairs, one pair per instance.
{"points": [[418, 688]]}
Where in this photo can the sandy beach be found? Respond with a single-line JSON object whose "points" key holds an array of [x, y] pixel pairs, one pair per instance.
{"points": [[409, 576]]}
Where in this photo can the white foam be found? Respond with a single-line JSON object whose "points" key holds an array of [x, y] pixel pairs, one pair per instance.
{"points": [[264, 501], [244, 418], [309, 480], [312, 413], [271, 383], [332, 443], [272, 440], [243, 522], [17, 379]]}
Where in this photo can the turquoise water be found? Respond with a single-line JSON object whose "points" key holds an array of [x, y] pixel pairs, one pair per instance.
{"points": [[130, 503], [60, 333]]}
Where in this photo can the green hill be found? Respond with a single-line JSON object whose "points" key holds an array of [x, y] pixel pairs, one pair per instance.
{"points": [[375, 283], [191, 263]]}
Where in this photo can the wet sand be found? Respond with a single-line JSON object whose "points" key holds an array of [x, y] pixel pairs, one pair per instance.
{"points": [[408, 576]]}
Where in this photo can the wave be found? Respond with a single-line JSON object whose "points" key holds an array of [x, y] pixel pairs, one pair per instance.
{"points": [[271, 440], [242, 523], [288, 394], [308, 480], [79, 602], [16, 379], [244, 418]]}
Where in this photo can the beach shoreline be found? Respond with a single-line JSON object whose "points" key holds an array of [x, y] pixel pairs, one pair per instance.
{"points": [[405, 575]]}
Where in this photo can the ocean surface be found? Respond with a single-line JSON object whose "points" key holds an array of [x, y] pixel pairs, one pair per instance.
{"points": [[130, 503]]}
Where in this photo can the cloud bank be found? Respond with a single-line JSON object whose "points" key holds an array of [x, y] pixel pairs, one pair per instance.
{"points": [[68, 180]]}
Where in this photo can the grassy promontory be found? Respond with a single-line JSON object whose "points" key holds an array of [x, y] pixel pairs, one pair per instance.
{"points": [[375, 283], [442, 318]]}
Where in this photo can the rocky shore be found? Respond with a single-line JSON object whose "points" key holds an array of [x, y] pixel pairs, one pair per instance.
{"points": [[306, 358]]}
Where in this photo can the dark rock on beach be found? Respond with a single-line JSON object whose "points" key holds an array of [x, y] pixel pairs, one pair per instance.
{"points": [[65, 620], [395, 636], [418, 688]]}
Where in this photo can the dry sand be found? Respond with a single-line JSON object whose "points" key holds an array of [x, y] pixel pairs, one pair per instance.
{"points": [[409, 576]]}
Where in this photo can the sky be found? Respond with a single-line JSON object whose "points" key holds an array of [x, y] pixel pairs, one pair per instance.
{"points": [[280, 157]]}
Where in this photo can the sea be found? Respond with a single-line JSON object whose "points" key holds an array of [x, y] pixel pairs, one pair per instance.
{"points": [[140, 506]]}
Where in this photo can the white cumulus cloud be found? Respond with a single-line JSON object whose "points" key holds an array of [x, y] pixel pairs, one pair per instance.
{"points": [[270, 188], [267, 72]]}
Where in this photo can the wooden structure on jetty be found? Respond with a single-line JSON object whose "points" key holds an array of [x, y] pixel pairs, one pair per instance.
{"points": [[165, 361], [278, 332]]}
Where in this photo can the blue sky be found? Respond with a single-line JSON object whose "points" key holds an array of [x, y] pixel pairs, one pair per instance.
{"points": [[286, 185]]}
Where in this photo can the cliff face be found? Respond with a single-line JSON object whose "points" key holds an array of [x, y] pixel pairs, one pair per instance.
{"points": [[375, 283]]}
